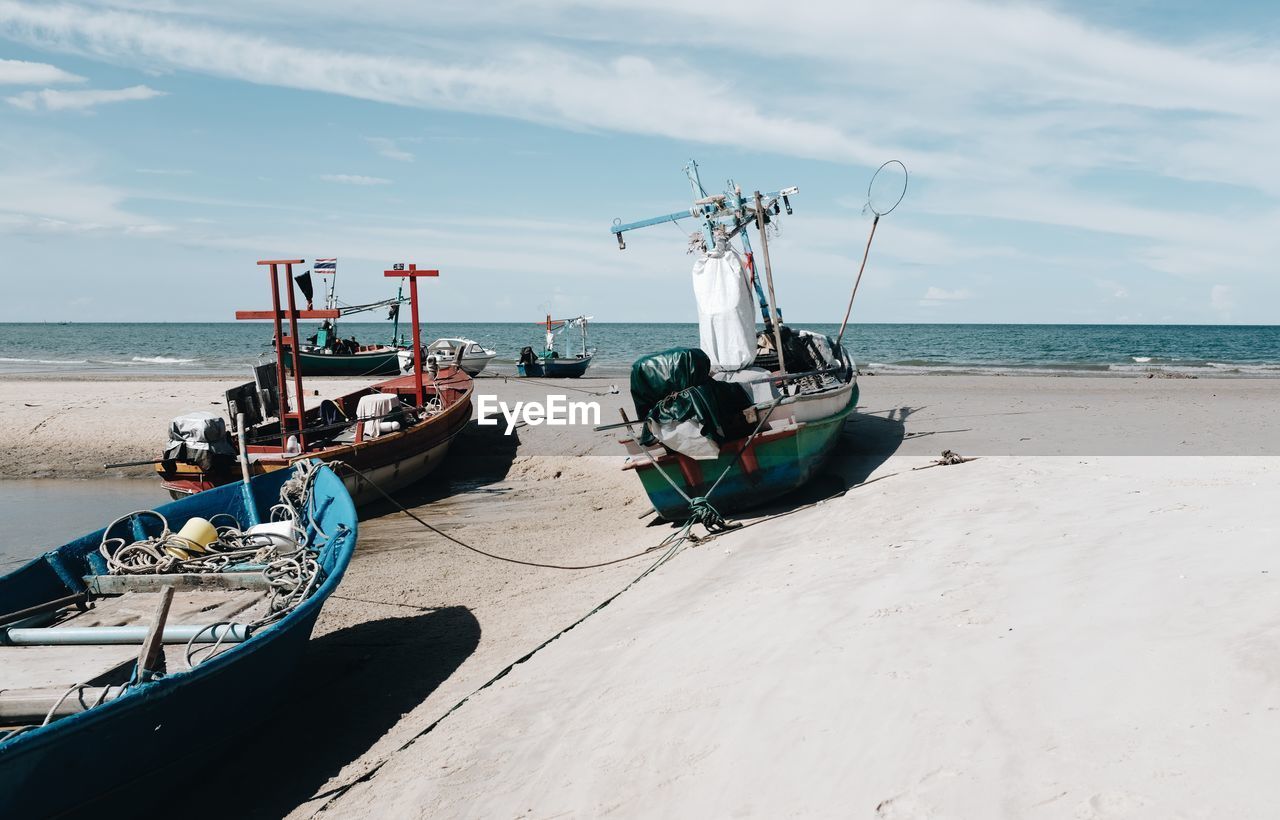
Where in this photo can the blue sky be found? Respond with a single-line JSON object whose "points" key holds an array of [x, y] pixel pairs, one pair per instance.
{"points": [[1080, 162]]}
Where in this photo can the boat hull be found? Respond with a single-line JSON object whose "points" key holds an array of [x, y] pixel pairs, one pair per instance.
{"points": [[395, 475], [555, 368], [393, 461], [474, 365], [384, 362], [777, 461], [114, 759]]}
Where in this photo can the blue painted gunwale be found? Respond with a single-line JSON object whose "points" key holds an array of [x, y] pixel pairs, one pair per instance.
{"points": [[165, 733]]}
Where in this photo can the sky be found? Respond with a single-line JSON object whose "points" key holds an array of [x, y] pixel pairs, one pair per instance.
{"points": [[1079, 162]]}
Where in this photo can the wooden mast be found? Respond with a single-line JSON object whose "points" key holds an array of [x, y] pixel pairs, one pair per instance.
{"points": [[277, 316], [412, 274], [773, 300]]}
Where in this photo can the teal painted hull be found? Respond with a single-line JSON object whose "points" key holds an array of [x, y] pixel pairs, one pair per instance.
{"points": [[118, 759], [776, 463], [383, 363]]}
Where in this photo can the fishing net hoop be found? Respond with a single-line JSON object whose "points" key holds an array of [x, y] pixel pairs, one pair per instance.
{"points": [[878, 208]]}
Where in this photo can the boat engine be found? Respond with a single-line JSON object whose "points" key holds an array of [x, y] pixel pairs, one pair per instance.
{"points": [[200, 438]]}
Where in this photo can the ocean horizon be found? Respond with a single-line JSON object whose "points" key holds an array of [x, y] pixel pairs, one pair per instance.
{"points": [[226, 348]]}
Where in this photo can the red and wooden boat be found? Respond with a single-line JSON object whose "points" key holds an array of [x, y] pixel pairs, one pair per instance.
{"points": [[395, 432]]}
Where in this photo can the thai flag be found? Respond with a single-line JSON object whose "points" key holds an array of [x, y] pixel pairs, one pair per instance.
{"points": [[325, 265]]}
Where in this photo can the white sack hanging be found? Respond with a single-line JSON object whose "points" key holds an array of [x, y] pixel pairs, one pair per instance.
{"points": [[726, 310]]}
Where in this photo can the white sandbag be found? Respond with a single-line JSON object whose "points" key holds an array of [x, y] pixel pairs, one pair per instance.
{"points": [[726, 310], [685, 437], [762, 392]]}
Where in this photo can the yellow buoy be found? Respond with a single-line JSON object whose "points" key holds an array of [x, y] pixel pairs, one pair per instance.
{"points": [[194, 539]]}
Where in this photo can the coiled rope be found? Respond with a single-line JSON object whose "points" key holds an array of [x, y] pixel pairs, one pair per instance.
{"points": [[292, 569]]}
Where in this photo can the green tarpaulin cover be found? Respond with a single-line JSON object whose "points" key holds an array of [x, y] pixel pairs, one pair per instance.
{"points": [[676, 385]]}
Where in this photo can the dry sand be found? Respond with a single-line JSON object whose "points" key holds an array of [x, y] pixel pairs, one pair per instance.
{"points": [[1053, 630], [1051, 637]]}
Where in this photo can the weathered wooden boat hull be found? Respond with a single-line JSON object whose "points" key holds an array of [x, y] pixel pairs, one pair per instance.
{"points": [[392, 461], [555, 368], [113, 759], [374, 363], [777, 461], [395, 475]]}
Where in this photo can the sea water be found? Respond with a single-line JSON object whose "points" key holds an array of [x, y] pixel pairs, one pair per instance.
{"points": [[38, 515], [216, 349]]}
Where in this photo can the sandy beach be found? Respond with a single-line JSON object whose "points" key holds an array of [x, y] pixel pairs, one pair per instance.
{"points": [[1073, 625], [69, 427]]}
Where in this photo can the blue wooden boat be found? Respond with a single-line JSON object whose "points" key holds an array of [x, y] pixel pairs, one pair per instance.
{"points": [[549, 362], [168, 729]]}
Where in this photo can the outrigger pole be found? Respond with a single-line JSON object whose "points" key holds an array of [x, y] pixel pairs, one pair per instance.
{"points": [[729, 212]]}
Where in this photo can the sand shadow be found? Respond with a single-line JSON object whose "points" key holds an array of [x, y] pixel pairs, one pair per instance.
{"points": [[479, 456], [352, 686], [866, 442]]}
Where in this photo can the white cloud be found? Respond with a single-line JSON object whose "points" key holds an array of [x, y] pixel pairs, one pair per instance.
{"points": [[935, 296], [165, 172], [547, 85], [53, 100], [1113, 288], [21, 72], [1062, 137], [390, 148], [1222, 300], [354, 179]]}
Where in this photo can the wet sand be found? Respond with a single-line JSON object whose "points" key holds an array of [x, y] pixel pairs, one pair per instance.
{"points": [[1059, 628]]}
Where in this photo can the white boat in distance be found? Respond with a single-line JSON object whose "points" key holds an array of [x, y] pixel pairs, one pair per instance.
{"points": [[475, 357]]}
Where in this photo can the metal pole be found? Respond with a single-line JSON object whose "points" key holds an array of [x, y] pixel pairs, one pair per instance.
{"points": [[241, 436], [122, 635], [865, 252], [768, 275], [395, 327]]}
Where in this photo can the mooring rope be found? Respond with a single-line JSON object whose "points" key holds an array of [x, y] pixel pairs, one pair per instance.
{"points": [[673, 543], [360, 474], [292, 568]]}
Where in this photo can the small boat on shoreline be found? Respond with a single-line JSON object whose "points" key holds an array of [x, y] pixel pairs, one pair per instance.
{"points": [[474, 356], [138, 651], [392, 433], [751, 414], [549, 362], [326, 353]]}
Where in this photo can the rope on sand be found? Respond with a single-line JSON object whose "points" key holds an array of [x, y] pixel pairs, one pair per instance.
{"points": [[360, 474], [949, 458]]}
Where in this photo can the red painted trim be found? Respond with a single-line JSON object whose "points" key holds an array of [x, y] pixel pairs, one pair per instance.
{"points": [[692, 472]]}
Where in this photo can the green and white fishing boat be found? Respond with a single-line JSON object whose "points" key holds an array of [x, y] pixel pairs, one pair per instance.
{"points": [[326, 353], [755, 411]]}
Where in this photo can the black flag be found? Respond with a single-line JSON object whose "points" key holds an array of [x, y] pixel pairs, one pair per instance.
{"points": [[304, 285]]}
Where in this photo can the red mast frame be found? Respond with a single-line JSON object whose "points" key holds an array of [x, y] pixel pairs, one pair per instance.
{"points": [[412, 273], [278, 316]]}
